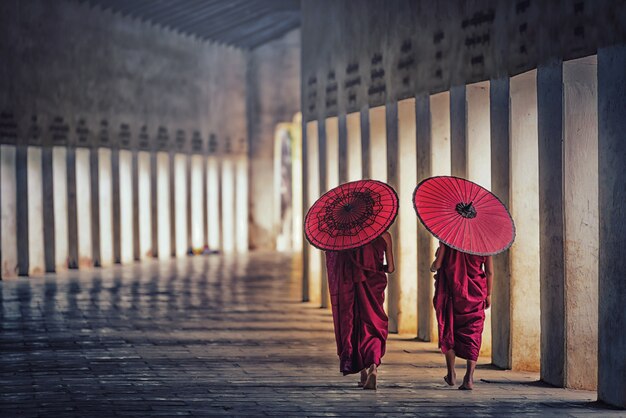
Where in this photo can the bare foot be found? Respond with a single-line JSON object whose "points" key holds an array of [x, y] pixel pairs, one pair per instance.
{"points": [[363, 378], [450, 379], [370, 382], [468, 384]]}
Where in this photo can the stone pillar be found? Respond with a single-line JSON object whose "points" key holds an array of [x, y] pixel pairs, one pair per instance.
{"points": [[323, 186], [164, 202], [458, 131], [180, 203], [478, 158], [105, 178], [365, 142], [115, 201], [499, 110], [241, 203], [612, 200], [61, 217], [343, 149], [21, 182], [197, 202], [306, 248], [405, 247], [72, 210], [94, 176], [48, 204], [154, 205], [188, 203], [36, 263], [227, 185], [392, 175], [126, 206], [315, 259], [135, 183], [205, 203], [524, 204], [354, 153], [214, 203], [425, 284], [8, 209], [172, 202], [84, 206], [377, 144]]}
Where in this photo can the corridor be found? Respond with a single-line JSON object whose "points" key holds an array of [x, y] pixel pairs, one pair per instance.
{"points": [[222, 336]]}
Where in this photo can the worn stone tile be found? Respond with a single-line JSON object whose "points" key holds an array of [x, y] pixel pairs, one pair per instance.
{"points": [[221, 336]]}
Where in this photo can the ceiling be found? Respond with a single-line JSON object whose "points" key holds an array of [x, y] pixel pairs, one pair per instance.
{"points": [[241, 23]]}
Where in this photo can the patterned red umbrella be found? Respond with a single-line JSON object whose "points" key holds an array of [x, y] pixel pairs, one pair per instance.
{"points": [[464, 215], [351, 215]]}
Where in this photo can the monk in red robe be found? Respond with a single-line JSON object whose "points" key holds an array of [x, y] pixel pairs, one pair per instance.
{"points": [[357, 283], [462, 293]]}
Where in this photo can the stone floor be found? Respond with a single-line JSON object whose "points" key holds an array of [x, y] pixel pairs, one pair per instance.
{"points": [[213, 336]]}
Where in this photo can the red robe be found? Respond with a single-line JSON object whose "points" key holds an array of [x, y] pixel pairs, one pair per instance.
{"points": [[357, 292], [460, 293]]}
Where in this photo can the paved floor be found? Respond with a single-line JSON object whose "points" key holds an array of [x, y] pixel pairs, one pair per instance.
{"points": [[211, 336]]}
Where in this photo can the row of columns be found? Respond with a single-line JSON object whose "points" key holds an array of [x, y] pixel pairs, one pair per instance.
{"points": [[66, 207], [549, 143]]}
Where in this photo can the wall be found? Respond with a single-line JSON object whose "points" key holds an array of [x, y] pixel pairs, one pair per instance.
{"points": [[375, 51], [273, 96]]}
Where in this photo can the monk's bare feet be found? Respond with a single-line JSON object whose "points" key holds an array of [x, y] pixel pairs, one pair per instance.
{"points": [[468, 384], [363, 378], [450, 379], [370, 382]]}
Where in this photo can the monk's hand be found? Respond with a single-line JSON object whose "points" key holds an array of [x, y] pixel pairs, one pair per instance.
{"points": [[488, 302]]}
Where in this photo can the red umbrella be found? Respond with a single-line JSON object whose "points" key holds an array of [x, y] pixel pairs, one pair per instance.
{"points": [[464, 215], [351, 215]]}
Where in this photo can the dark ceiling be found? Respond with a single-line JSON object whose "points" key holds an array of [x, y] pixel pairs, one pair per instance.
{"points": [[241, 23]]}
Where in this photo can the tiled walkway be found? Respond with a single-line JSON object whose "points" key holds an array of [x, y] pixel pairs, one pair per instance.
{"points": [[212, 336]]}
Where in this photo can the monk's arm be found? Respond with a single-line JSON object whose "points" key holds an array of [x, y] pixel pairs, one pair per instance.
{"points": [[391, 266], [436, 265], [489, 274]]}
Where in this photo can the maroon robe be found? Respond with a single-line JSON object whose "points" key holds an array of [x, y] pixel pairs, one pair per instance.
{"points": [[357, 292], [460, 293]]}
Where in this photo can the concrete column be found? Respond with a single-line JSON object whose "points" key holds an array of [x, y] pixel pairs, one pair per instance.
{"points": [[524, 304], [332, 157], [354, 152], [94, 177], [478, 167], [425, 286], [36, 263], [198, 202], [146, 205], [458, 131], [550, 119], [59, 213], [296, 185], [164, 201], [343, 149], [126, 206], [394, 286], [8, 211], [116, 202], [378, 144], [365, 142], [205, 202], [154, 205], [406, 225], [189, 227], [105, 176], [72, 210], [315, 260], [84, 207], [227, 186], [135, 212], [612, 200], [21, 177], [306, 248], [241, 203], [172, 202], [499, 110], [214, 202], [323, 187], [180, 204], [49, 209]]}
